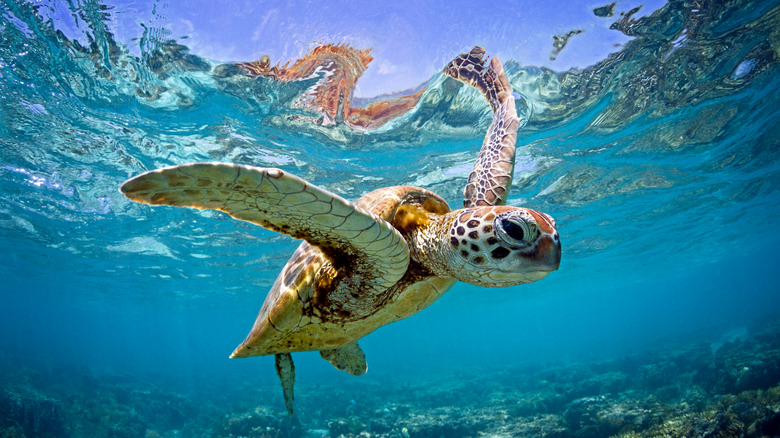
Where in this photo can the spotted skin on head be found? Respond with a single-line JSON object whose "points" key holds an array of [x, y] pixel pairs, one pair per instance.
{"points": [[490, 246], [480, 240]]}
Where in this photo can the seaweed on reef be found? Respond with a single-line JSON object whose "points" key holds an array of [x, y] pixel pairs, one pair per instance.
{"points": [[748, 414], [260, 422], [25, 412], [683, 390]]}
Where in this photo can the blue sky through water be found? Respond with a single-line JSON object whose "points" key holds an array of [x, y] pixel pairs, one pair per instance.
{"points": [[411, 40]]}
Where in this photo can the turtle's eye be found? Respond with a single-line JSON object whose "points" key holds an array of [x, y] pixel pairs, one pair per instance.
{"points": [[516, 231]]}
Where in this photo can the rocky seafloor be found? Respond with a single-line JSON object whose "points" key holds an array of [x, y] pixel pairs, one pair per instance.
{"points": [[696, 389]]}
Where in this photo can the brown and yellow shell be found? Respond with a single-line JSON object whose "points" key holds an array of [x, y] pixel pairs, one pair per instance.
{"points": [[304, 309]]}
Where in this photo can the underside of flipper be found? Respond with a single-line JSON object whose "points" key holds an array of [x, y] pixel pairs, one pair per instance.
{"points": [[490, 180], [349, 357], [376, 252]]}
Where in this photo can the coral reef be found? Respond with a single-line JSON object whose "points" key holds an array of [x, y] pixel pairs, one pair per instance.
{"points": [[724, 389]]}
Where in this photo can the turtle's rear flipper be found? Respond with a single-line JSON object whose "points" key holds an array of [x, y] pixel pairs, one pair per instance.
{"points": [[286, 372], [349, 358]]}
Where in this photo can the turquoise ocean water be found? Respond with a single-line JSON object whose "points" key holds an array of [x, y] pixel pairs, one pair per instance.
{"points": [[659, 163]]}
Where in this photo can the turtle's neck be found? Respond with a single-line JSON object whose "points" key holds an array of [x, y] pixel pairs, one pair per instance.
{"points": [[429, 244]]}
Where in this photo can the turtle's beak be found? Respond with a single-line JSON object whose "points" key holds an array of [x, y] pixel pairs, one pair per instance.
{"points": [[548, 251], [548, 246]]}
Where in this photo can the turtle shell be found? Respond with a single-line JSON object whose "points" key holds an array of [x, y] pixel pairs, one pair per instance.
{"points": [[304, 309]]}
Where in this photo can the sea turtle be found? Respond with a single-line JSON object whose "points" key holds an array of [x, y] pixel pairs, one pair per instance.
{"points": [[382, 258]]}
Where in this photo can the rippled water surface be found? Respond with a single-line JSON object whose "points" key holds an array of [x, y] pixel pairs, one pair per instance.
{"points": [[659, 163]]}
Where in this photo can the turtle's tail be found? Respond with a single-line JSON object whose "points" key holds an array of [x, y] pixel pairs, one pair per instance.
{"points": [[286, 372], [490, 79]]}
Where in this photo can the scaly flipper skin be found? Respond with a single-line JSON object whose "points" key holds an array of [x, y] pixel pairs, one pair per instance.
{"points": [[490, 181], [285, 369], [376, 254], [349, 358]]}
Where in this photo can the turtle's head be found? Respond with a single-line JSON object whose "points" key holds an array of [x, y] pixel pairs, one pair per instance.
{"points": [[501, 246]]}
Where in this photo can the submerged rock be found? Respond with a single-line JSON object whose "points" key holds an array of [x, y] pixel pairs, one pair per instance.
{"points": [[25, 412], [259, 422], [686, 391]]}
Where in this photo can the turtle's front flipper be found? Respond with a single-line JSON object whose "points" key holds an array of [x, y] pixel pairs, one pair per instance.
{"points": [[491, 179], [370, 248], [349, 358], [285, 369]]}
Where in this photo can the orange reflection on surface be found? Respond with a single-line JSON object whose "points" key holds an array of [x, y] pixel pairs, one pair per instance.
{"points": [[339, 67]]}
